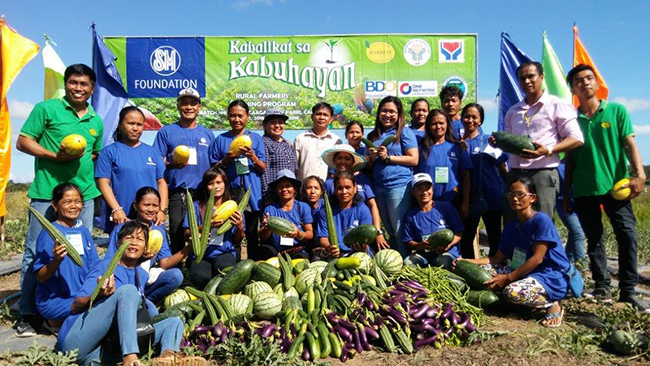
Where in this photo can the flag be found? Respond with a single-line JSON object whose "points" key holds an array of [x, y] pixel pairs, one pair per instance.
{"points": [[510, 92], [554, 79], [54, 70], [581, 56], [109, 96], [15, 52]]}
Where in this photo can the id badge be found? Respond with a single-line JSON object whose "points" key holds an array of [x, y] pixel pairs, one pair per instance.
{"points": [[193, 160], [518, 258], [214, 238], [77, 242], [241, 166], [442, 175], [286, 242]]}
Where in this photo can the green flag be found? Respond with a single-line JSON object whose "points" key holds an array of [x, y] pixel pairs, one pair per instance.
{"points": [[54, 69], [554, 79]]}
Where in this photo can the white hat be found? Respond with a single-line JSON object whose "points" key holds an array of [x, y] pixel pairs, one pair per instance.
{"points": [[328, 156], [421, 178], [189, 92]]}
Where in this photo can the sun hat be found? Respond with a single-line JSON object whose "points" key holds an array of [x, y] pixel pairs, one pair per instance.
{"points": [[285, 174], [329, 154]]}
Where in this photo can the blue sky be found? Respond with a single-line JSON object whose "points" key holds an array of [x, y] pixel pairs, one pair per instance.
{"points": [[614, 33]]}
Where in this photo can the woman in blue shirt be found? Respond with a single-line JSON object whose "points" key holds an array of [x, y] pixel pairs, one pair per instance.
{"points": [[221, 251], [344, 158], [348, 212], [419, 112], [164, 277], [311, 193], [430, 216], [244, 168], [117, 303], [392, 167], [486, 180], [443, 159], [283, 192], [354, 134], [530, 264], [59, 278], [127, 165]]}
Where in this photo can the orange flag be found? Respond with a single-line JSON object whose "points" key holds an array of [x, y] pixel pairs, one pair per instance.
{"points": [[581, 56], [15, 52]]}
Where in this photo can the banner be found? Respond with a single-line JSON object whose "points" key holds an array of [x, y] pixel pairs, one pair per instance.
{"points": [[292, 73]]}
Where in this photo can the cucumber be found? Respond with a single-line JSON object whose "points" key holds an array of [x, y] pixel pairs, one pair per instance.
{"points": [[237, 278], [280, 226], [368, 143], [511, 143], [265, 272], [482, 299], [473, 274], [332, 236], [388, 140], [440, 239], [348, 263], [211, 287], [362, 234]]}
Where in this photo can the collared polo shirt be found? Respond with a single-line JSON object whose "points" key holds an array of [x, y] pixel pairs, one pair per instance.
{"points": [[550, 120], [601, 161], [48, 124], [309, 148]]}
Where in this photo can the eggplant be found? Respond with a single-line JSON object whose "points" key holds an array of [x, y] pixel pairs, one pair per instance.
{"points": [[454, 319], [425, 342], [363, 338], [217, 330], [344, 354], [331, 317], [419, 294], [447, 311], [361, 298], [397, 315], [224, 337], [344, 333], [371, 333], [305, 354], [349, 326], [395, 292], [357, 341], [267, 331], [420, 312], [433, 312]]}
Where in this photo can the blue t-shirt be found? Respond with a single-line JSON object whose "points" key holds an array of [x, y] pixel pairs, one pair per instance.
{"points": [[419, 225], [419, 134], [299, 215], [68, 279], [123, 276], [458, 129], [198, 138], [394, 175], [217, 245], [551, 272], [364, 187], [164, 252], [345, 220], [449, 160], [128, 169], [490, 180], [252, 179]]}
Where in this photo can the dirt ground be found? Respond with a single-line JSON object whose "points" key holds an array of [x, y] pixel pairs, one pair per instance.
{"points": [[9, 284]]}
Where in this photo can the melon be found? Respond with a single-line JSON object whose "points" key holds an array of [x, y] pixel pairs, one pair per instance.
{"points": [[389, 261], [266, 305]]}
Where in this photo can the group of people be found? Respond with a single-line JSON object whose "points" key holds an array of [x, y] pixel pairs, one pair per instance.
{"points": [[441, 171]]}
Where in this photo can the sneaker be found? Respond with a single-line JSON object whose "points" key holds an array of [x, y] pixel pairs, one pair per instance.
{"points": [[600, 293], [640, 305], [24, 329]]}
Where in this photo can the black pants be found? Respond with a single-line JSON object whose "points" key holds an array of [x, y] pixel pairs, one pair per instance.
{"points": [[623, 221], [492, 221], [202, 272], [177, 210]]}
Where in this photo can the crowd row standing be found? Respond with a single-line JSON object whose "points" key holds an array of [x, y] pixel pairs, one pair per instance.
{"points": [[441, 171]]}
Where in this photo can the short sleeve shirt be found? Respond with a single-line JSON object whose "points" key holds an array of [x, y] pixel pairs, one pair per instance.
{"points": [[299, 215], [601, 161], [345, 220], [309, 148], [48, 124], [279, 155], [364, 187], [444, 163], [418, 225], [394, 175], [490, 181], [164, 252]]}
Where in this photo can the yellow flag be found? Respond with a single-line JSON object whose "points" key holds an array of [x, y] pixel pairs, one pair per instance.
{"points": [[15, 52]]}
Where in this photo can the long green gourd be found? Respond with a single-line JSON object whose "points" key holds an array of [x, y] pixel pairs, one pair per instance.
{"points": [[205, 230], [240, 207], [109, 271], [194, 226], [331, 227], [56, 235]]}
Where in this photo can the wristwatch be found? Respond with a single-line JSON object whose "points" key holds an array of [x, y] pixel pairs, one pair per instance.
{"points": [[166, 211]]}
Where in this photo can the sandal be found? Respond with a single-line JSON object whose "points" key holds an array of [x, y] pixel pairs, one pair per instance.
{"points": [[551, 316]]}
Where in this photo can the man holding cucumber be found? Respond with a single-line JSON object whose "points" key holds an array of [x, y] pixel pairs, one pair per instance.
{"points": [[601, 163], [551, 124]]}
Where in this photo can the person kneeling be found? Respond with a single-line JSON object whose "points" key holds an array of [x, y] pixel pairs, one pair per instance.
{"points": [[530, 265]]}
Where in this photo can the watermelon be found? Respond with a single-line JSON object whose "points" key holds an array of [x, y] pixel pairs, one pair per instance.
{"points": [[318, 265], [291, 292], [511, 143], [240, 304], [256, 287], [366, 262], [176, 297], [266, 272], [362, 234], [266, 305], [280, 226], [236, 278], [389, 261], [307, 278], [440, 239], [292, 302], [624, 343]]}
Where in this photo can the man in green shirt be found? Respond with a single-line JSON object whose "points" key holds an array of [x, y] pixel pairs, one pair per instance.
{"points": [[597, 165], [49, 122]]}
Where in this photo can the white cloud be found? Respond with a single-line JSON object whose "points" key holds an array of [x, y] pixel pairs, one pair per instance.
{"points": [[19, 110], [642, 130], [489, 104], [633, 104], [245, 4]]}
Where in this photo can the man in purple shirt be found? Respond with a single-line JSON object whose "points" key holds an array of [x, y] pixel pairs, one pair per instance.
{"points": [[551, 124]]}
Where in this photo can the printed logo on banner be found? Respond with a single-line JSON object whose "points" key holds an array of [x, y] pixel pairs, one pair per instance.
{"points": [[451, 50], [458, 81], [161, 67], [380, 89], [417, 52], [427, 88]]}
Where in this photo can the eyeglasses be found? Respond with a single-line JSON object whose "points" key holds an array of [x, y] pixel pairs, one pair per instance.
{"points": [[388, 112], [519, 195]]}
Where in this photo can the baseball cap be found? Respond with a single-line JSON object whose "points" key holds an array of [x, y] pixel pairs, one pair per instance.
{"points": [[189, 92], [270, 113], [421, 178]]}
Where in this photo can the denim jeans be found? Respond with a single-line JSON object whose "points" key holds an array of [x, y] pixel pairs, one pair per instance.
{"points": [[623, 221], [166, 283], [27, 304], [92, 326], [393, 204], [575, 244]]}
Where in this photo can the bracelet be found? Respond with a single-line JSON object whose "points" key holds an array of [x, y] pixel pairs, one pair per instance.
{"points": [[117, 209]]}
